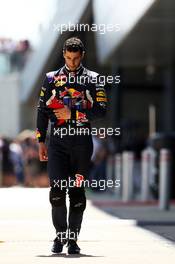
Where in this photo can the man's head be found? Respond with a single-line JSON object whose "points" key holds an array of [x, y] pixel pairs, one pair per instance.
{"points": [[73, 52]]}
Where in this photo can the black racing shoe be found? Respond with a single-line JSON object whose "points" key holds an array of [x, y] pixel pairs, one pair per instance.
{"points": [[73, 248], [57, 246]]}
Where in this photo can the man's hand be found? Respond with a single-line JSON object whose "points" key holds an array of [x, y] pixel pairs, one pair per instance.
{"points": [[43, 152], [63, 113]]}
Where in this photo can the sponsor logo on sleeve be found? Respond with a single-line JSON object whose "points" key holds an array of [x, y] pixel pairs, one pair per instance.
{"points": [[101, 93], [101, 99], [41, 93]]}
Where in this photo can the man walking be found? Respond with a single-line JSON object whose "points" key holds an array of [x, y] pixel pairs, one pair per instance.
{"points": [[70, 100]]}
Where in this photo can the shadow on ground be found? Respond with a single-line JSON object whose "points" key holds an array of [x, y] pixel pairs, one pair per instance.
{"points": [[64, 255]]}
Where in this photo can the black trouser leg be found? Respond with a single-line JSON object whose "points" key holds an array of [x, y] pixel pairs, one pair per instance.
{"points": [[77, 206], [80, 163], [59, 211], [66, 158], [58, 164]]}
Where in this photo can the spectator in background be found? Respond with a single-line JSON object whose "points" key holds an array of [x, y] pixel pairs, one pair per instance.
{"points": [[8, 172], [18, 162], [35, 172], [99, 157], [15, 51], [20, 55]]}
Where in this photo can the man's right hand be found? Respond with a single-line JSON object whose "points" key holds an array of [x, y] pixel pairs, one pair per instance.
{"points": [[43, 152]]}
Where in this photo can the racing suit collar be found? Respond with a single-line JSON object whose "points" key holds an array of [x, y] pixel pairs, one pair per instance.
{"points": [[78, 71]]}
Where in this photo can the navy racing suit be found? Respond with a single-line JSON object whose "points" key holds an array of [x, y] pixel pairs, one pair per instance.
{"points": [[69, 156]]}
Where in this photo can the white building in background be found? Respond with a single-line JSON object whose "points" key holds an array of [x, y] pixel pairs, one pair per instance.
{"points": [[13, 57], [9, 105]]}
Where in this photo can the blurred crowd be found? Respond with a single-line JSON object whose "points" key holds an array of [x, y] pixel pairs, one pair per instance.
{"points": [[20, 165], [16, 53], [19, 162]]}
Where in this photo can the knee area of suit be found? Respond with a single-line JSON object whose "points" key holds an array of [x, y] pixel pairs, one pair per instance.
{"points": [[77, 199], [57, 197]]}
